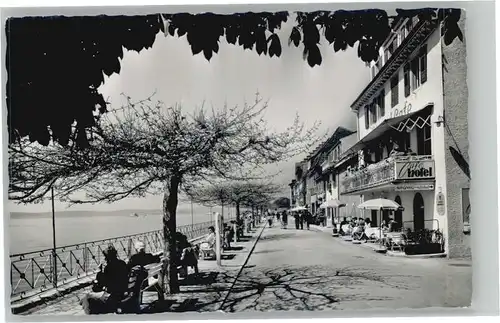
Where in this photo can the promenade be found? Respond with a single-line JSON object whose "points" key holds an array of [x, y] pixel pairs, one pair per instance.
{"points": [[310, 270], [307, 270]]}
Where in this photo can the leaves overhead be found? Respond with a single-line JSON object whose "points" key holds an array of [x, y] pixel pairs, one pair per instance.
{"points": [[56, 64]]}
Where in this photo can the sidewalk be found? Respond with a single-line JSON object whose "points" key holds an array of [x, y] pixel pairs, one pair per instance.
{"points": [[202, 295], [303, 270]]}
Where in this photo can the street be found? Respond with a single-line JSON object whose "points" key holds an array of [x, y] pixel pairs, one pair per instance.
{"points": [[310, 270]]}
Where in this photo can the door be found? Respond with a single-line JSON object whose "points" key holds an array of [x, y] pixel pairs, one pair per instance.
{"points": [[374, 219], [418, 212], [398, 215]]}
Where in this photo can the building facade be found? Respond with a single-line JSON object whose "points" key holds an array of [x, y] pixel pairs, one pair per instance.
{"points": [[343, 139], [412, 135]]}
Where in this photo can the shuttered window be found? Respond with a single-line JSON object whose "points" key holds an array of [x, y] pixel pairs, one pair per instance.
{"points": [[394, 91], [423, 64], [367, 116], [407, 79], [381, 103], [373, 112]]}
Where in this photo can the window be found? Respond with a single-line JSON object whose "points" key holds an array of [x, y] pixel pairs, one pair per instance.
{"points": [[422, 59], [381, 103], [415, 74], [418, 70], [373, 112], [427, 140], [407, 79], [367, 116], [394, 91]]}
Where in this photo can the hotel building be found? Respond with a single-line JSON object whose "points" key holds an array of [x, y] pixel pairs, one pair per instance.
{"points": [[412, 135]]}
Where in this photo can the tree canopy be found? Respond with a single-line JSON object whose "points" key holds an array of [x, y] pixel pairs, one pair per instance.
{"points": [[134, 150], [56, 64], [237, 193]]}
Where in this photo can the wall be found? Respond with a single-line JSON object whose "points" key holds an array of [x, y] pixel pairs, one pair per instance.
{"points": [[418, 99], [456, 106]]}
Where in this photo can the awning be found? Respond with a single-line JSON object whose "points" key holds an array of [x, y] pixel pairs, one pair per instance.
{"points": [[334, 203], [397, 123]]}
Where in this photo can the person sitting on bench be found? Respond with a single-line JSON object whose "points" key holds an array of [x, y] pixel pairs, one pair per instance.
{"points": [[187, 255], [109, 286], [142, 258]]}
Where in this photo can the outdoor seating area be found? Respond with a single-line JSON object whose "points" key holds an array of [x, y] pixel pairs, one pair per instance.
{"points": [[389, 236]]}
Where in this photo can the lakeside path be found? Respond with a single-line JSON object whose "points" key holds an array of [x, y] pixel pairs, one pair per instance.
{"points": [[310, 270], [204, 294]]}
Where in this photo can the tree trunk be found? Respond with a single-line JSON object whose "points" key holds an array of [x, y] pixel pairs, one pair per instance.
{"points": [[237, 212], [170, 282]]}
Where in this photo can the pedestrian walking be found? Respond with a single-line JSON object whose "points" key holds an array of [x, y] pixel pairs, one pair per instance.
{"points": [[297, 219], [284, 220], [307, 219], [301, 220], [270, 220]]}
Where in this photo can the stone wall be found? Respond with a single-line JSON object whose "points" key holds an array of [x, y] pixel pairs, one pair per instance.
{"points": [[456, 136]]}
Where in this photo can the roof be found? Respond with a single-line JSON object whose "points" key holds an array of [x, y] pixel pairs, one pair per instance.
{"points": [[418, 35], [339, 133]]}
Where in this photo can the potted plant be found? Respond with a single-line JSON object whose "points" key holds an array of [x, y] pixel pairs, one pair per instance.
{"points": [[424, 241]]}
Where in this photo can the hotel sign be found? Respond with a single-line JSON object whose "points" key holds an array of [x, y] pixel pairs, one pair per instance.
{"points": [[409, 187], [415, 169]]}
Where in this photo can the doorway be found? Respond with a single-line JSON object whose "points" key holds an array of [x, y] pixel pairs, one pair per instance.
{"points": [[398, 214], [418, 212], [374, 219]]}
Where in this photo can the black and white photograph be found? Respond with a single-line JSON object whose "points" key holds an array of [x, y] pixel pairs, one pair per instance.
{"points": [[237, 161]]}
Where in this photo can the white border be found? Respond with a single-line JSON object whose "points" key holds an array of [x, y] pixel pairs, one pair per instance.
{"points": [[482, 106]]}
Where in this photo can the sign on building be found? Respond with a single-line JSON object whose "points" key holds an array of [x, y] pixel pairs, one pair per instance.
{"points": [[415, 169]]}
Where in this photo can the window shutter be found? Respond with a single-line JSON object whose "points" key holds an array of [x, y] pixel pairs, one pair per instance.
{"points": [[367, 116], [407, 79], [382, 103], [423, 64], [373, 112], [394, 91]]}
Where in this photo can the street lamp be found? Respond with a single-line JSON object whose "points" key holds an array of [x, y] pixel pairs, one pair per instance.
{"points": [[54, 255]]}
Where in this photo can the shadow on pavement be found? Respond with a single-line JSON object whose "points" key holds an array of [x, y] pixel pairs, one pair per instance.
{"points": [[238, 248], [267, 251], [276, 237], [203, 278]]}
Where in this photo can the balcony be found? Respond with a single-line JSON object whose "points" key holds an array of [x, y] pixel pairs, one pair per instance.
{"points": [[392, 170]]}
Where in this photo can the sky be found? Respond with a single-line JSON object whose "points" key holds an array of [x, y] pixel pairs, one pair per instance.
{"points": [[323, 93]]}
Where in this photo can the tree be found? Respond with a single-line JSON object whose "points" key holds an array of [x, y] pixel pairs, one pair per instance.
{"points": [[146, 147], [56, 64], [238, 193]]}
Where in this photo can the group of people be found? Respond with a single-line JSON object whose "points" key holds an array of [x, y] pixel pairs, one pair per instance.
{"points": [[300, 218], [111, 285], [356, 227]]}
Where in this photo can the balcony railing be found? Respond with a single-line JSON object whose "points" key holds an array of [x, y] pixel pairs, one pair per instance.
{"points": [[392, 169]]}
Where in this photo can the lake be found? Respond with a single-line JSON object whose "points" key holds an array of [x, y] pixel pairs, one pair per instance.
{"points": [[31, 231]]}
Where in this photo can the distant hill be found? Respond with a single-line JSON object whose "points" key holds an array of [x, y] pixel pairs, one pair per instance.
{"points": [[18, 215], [182, 208]]}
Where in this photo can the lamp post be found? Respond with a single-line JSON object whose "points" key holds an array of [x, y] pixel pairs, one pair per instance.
{"points": [[54, 255], [192, 218]]}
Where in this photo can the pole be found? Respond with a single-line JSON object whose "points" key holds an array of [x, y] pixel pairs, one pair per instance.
{"points": [[218, 238], [54, 255], [192, 221]]}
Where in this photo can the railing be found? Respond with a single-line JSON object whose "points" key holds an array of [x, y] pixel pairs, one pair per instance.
{"points": [[36, 272], [389, 170]]}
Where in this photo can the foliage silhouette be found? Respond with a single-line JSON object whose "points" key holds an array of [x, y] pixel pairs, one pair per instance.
{"points": [[56, 64]]}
